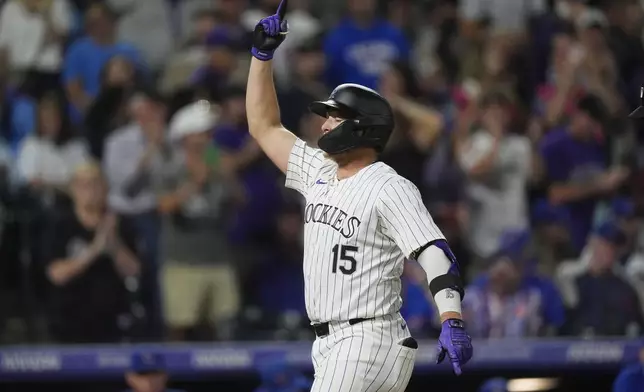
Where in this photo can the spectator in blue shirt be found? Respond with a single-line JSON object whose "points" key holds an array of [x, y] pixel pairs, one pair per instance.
{"points": [[88, 55], [361, 47], [148, 373], [575, 165], [507, 302]]}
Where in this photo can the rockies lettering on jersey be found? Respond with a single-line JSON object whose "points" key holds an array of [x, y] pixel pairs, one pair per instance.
{"points": [[357, 233], [328, 215]]}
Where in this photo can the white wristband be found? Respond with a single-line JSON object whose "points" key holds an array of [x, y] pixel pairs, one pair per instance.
{"points": [[435, 263], [448, 300]]}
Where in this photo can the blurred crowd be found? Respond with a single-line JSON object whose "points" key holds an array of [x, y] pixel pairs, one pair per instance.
{"points": [[134, 205]]}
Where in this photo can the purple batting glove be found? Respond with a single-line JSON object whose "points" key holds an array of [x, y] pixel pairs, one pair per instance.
{"points": [[269, 33], [456, 343]]}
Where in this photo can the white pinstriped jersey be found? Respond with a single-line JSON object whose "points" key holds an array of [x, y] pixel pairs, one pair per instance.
{"points": [[357, 232]]}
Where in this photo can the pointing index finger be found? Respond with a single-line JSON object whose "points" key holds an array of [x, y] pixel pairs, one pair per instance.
{"points": [[457, 368], [281, 9]]}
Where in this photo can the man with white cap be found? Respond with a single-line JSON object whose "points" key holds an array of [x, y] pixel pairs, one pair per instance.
{"points": [[193, 243], [190, 131]]}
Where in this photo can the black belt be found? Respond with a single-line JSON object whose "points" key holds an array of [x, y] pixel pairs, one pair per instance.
{"points": [[322, 329]]}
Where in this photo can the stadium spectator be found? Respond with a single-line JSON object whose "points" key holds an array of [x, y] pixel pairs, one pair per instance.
{"points": [[597, 286], [203, 22], [551, 236], [575, 164], [360, 47], [230, 22], [147, 25], [507, 302], [622, 211], [253, 182], [506, 18], [32, 36], [87, 56], [109, 110], [599, 77], [184, 13], [133, 160], [624, 38], [434, 51], [148, 373], [498, 165], [190, 54], [556, 97], [200, 284], [90, 252], [47, 159], [307, 85], [417, 126], [211, 80]]}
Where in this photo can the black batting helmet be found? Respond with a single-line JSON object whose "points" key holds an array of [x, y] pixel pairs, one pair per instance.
{"points": [[369, 120]]}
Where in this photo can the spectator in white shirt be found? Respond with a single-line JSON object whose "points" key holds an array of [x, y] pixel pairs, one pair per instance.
{"points": [[498, 165], [32, 34], [133, 159], [48, 158]]}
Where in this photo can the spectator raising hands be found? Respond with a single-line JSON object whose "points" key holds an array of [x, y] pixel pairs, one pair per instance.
{"points": [[417, 125], [89, 255], [498, 164]]}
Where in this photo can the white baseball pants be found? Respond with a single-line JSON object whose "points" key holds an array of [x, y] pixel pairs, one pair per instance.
{"points": [[365, 357]]}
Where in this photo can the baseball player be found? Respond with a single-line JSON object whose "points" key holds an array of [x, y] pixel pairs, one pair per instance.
{"points": [[361, 221]]}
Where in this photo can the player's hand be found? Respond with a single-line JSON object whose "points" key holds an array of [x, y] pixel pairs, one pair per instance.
{"points": [[455, 343], [269, 33]]}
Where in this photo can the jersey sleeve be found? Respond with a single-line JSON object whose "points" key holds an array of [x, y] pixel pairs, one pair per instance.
{"points": [[404, 218], [303, 164]]}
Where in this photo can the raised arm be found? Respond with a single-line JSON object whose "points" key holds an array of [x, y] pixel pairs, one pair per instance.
{"points": [[263, 114], [261, 100]]}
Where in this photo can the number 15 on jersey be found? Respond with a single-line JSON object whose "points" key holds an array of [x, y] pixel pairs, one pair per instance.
{"points": [[343, 259]]}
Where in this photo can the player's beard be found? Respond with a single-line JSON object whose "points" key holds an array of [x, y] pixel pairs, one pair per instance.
{"points": [[341, 159], [361, 154]]}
